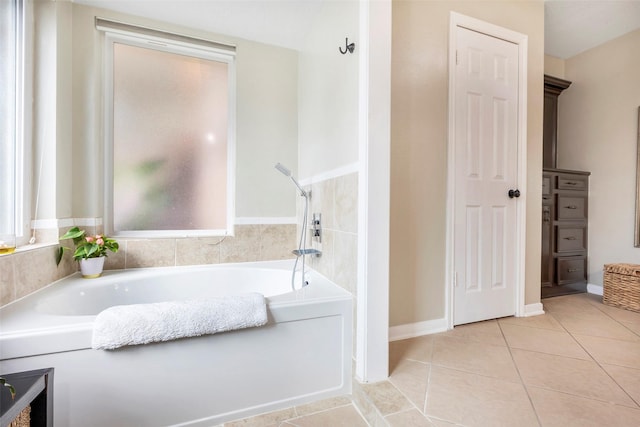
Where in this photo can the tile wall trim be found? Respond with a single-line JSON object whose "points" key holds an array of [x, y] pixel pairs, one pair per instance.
{"points": [[333, 173], [42, 224], [87, 222], [247, 220], [412, 330]]}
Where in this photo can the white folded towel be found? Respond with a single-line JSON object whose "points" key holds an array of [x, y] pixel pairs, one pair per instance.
{"points": [[144, 323]]}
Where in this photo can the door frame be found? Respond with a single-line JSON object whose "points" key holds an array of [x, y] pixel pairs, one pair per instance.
{"points": [[458, 20]]}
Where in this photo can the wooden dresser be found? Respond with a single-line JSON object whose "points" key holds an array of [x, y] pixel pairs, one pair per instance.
{"points": [[565, 196]]}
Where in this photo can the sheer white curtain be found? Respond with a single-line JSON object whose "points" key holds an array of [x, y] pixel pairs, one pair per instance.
{"points": [[170, 122], [9, 14]]}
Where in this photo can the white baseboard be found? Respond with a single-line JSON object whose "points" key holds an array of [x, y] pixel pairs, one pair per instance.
{"points": [[427, 327], [412, 330], [594, 289], [534, 309]]}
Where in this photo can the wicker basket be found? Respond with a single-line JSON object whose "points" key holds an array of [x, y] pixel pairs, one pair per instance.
{"points": [[22, 420], [622, 286]]}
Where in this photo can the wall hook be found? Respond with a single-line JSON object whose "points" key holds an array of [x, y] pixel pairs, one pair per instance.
{"points": [[349, 47]]}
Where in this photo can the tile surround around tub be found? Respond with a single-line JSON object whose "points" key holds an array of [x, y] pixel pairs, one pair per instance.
{"points": [[337, 200], [259, 242], [24, 272]]}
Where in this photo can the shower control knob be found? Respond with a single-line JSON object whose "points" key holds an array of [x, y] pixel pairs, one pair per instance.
{"points": [[514, 193]]}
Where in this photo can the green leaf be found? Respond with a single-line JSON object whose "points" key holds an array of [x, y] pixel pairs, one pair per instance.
{"points": [[59, 255], [73, 233], [91, 250], [12, 390]]}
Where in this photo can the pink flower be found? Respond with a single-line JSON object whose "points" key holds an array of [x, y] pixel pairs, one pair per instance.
{"points": [[89, 239], [100, 241]]}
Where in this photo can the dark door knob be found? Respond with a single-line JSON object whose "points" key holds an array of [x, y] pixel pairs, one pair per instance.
{"points": [[514, 193]]}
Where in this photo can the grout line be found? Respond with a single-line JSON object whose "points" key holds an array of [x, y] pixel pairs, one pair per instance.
{"points": [[475, 373], [368, 400], [432, 347], [580, 396], [295, 408], [467, 339], [598, 306], [593, 357], [533, 327], [175, 252], [384, 416], [428, 386], [361, 414], [524, 386], [571, 335], [603, 369]]}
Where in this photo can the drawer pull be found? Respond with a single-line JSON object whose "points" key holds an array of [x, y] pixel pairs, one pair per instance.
{"points": [[571, 183], [571, 207], [572, 270], [569, 238]]}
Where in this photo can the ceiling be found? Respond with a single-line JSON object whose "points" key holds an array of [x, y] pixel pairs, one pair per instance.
{"points": [[278, 22], [571, 26]]}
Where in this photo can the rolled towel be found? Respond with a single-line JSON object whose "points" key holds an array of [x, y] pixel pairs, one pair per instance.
{"points": [[144, 323]]}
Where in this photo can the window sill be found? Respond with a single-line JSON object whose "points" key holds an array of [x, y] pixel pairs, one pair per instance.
{"points": [[27, 248]]}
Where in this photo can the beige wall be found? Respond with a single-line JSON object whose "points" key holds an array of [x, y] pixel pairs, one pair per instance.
{"points": [[328, 91], [419, 122], [597, 128], [554, 66]]}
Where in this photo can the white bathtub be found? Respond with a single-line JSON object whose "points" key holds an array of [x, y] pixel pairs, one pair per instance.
{"points": [[302, 354]]}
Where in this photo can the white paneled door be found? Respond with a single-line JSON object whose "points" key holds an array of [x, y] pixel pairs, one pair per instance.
{"points": [[486, 169]]}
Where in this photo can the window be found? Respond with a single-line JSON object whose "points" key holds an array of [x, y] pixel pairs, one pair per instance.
{"points": [[14, 123], [170, 135]]}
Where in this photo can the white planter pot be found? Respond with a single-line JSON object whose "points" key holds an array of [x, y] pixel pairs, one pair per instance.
{"points": [[91, 267]]}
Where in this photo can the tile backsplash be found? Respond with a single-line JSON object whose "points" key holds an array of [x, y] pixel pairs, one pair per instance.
{"points": [[24, 272], [337, 200]]}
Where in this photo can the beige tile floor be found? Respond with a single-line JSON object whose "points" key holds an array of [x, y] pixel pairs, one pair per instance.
{"points": [[577, 365], [336, 412]]}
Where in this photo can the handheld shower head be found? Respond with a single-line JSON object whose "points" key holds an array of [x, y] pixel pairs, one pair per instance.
{"points": [[283, 169], [287, 172]]}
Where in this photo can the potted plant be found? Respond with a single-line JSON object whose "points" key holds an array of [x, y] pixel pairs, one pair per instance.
{"points": [[90, 251]]}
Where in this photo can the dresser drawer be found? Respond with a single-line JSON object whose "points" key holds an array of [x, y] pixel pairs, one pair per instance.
{"points": [[570, 270], [570, 239], [568, 182], [546, 185], [570, 207]]}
